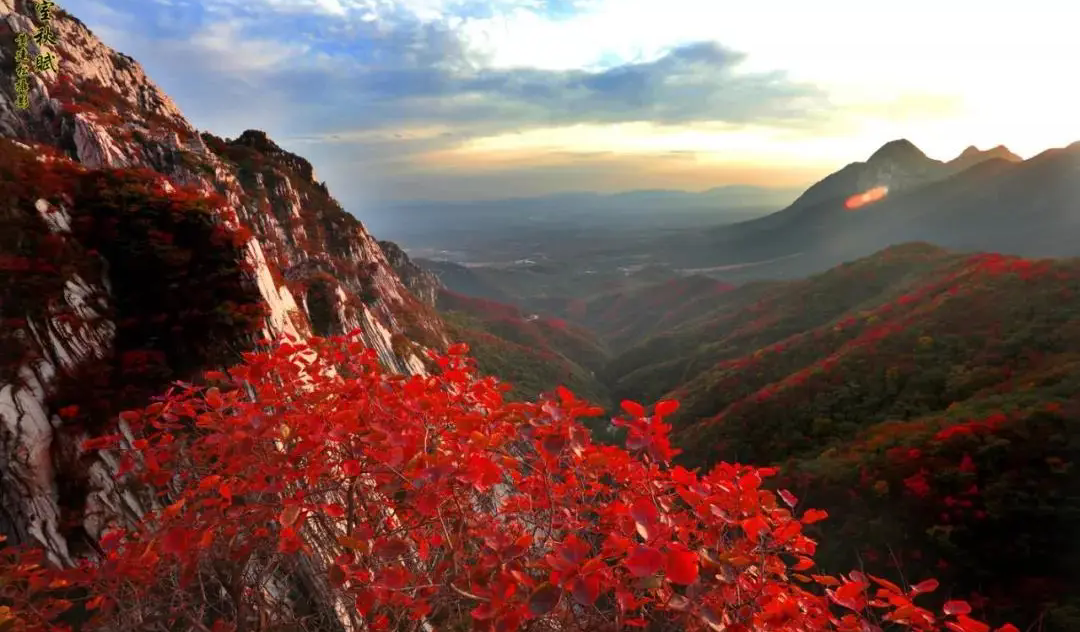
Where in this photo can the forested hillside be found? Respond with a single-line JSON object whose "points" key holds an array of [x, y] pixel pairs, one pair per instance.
{"points": [[927, 398], [532, 354]]}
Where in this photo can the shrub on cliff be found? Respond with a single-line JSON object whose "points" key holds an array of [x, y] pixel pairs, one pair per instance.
{"points": [[418, 500]]}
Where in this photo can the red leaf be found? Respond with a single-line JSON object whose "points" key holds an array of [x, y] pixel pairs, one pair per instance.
{"points": [[553, 444], [754, 527], [458, 349], [351, 468], [888, 585], [482, 472], [213, 398], [814, 515], [394, 577], [645, 516], [585, 589], [365, 601], [929, 585], [95, 602], [850, 595], [633, 409], [391, 548], [209, 482], [665, 407], [956, 607], [788, 498], [544, 599], [483, 612], [682, 567], [644, 561], [175, 541], [509, 622]]}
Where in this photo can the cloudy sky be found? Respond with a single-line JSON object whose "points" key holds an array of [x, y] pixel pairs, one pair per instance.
{"points": [[468, 99]]}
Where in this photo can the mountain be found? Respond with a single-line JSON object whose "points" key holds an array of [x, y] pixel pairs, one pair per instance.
{"points": [[625, 317], [973, 156], [898, 165], [420, 281], [465, 280], [136, 251], [532, 353], [926, 398], [996, 202]]}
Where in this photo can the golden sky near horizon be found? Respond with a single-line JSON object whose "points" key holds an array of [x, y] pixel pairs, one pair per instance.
{"points": [[944, 75], [466, 99]]}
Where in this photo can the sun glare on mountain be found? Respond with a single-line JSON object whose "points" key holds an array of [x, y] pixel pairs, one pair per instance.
{"points": [[870, 196]]}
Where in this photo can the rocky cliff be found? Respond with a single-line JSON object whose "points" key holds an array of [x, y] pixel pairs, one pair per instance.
{"points": [[135, 251], [423, 283]]}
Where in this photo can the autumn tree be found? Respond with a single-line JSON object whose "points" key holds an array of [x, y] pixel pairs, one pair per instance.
{"points": [[430, 503]]}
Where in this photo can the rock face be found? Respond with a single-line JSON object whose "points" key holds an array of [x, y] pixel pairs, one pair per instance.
{"points": [[233, 239], [423, 283]]}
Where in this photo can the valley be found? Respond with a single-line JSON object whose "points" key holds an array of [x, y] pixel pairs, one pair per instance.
{"points": [[908, 378], [899, 368]]}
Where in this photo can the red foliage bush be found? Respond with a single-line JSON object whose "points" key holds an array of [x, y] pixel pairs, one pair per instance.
{"points": [[430, 499]]}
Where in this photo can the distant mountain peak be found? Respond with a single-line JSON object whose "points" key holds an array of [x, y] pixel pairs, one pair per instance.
{"points": [[900, 150], [973, 152]]}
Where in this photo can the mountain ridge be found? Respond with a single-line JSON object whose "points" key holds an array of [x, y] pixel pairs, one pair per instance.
{"points": [[292, 262], [967, 204], [908, 375]]}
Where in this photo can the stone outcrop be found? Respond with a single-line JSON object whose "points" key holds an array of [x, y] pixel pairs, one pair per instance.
{"points": [[308, 265], [423, 283]]}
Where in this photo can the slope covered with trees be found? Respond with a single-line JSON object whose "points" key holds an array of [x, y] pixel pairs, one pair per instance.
{"points": [[476, 514], [532, 354], [927, 398]]}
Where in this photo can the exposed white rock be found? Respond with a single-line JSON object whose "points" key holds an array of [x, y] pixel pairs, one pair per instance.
{"points": [[279, 300], [153, 134], [27, 437], [56, 217]]}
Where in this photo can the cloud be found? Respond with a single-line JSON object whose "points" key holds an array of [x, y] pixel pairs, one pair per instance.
{"points": [[336, 68], [432, 81], [375, 86]]}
